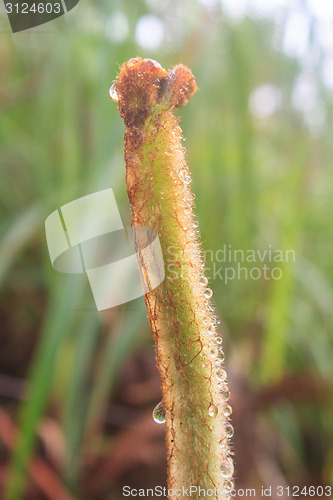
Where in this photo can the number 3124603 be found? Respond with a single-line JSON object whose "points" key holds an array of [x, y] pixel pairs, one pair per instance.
{"points": [[35, 8]]}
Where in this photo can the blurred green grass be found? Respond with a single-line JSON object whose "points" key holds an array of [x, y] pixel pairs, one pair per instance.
{"points": [[258, 181]]}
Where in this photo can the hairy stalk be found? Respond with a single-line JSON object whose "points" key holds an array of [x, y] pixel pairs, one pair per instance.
{"points": [[188, 350]]}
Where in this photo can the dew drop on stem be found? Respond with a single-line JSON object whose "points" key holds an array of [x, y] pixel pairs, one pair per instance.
{"points": [[229, 430], [227, 468], [229, 485], [214, 352], [221, 375], [208, 293], [227, 411], [113, 92], [225, 393], [203, 281], [212, 410], [223, 443], [221, 355], [159, 413], [132, 61], [211, 330]]}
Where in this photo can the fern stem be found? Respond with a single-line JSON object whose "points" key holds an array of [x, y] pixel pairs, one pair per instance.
{"points": [[189, 353]]}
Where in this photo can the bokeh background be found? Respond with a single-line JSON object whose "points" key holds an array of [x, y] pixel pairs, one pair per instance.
{"points": [[77, 387]]}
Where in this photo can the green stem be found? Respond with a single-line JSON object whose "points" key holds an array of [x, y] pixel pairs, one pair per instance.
{"points": [[188, 349]]}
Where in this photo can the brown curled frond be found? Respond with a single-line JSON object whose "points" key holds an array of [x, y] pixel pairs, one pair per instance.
{"points": [[143, 86], [182, 85]]}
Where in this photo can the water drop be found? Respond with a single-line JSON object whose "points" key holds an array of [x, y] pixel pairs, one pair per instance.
{"points": [[195, 224], [155, 63], [215, 320], [229, 430], [225, 393], [203, 281], [217, 362], [227, 468], [132, 61], [211, 330], [221, 354], [227, 411], [229, 485], [159, 413], [212, 410], [113, 92], [221, 374], [214, 352], [223, 443], [219, 340], [208, 293], [183, 173]]}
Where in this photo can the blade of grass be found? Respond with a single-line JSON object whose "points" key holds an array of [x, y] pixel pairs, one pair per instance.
{"points": [[58, 321]]}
